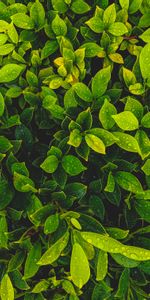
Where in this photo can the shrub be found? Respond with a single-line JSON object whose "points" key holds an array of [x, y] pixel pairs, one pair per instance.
{"points": [[74, 149]]}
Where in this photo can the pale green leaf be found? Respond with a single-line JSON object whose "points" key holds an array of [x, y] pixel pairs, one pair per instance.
{"points": [[23, 21], [6, 288], [50, 164], [128, 182], [126, 120], [102, 265], [95, 143], [72, 165], [145, 61], [117, 29], [10, 72], [54, 251], [100, 82], [79, 266], [105, 114], [59, 26]]}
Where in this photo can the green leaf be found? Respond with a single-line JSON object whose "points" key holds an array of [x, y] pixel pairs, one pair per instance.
{"points": [[96, 24], [72, 165], [102, 265], [91, 49], [128, 77], [80, 7], [107, 137], [12, 33], [50, 164], [100, 82], [59, 27], [60, 6], [6, 49], [33, 257], [124, 261], [23, 183], [137, 89], [146, 167], [145, 36], [3, 38], [85, 119], [134, 6], [6, 289], [144, 20], [54, 251], [127, 142], [146, 120], [135, 107], [117, 29], [41, 286], [18, 281], [75, 223], [128, 182], [144, 143], [79, 266], [51, 224], [39, 213], [110, 186], [123, 284], [111, 245], [16, 261], [124, 4], [3, 232], [10, 72], [109, 16], [55, 151], [69, 288], [144, 61], [37, 14], [6, 193], [126, 120], [3, 25], [143, 209], [23, 21], [95, 143], [105, 114], [76, 189], [5, 144], [116, 57], [31, 78], [83, 91], [60, 176], [2, 104], [117, 233], [49, 48], [97, 206], [75, 138]]}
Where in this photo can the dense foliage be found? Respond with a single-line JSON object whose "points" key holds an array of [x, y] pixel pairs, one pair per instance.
{"points": [[74, 149]]}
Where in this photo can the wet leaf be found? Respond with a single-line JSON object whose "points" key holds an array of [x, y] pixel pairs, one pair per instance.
{"points": [[128, 182], [102, 265], [145, 61], [50, 164], [31, 267], [6, 289], [126, 120], [106, 115], [10, 72], [72, 165], [79, 266], [95, 143], [54, 251], [100, 82]]}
